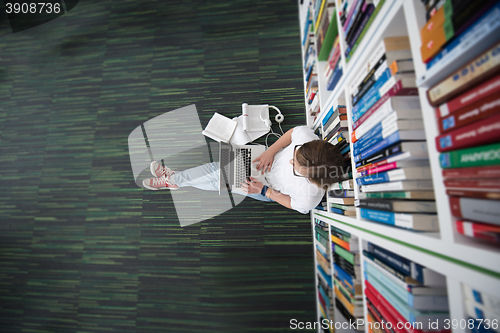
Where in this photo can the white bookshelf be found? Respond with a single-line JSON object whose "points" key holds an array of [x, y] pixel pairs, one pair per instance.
{"points": [[463, 260]]}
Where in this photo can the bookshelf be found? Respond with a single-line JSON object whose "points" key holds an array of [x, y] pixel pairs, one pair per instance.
{"points": [[461, 259]]}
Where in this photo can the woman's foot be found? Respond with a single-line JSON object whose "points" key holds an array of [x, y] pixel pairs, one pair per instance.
{"points": [[159, 170], [161, 183]]}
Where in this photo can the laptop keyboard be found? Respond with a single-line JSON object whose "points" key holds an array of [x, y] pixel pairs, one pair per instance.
{"points": [[243, 165]]}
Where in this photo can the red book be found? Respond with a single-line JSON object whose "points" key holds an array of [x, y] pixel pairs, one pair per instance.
{"points": [[376, 316], [486, 107], [479, 230], [396, 90], [383, 306], [474, 194], [322, 300], [475, 134], [372, 295], [485, 89], [492, 171], [492, 185], [480, 210]]}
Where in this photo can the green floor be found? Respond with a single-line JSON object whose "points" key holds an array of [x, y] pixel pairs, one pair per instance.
{"points": [[82, 248]]}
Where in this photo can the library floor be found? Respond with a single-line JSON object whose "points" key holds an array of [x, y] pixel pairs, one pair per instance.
{"points": [[82, 248]]}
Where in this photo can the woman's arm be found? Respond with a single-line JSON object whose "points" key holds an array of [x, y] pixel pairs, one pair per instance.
{"points": [[266, 158], [280, 198]]}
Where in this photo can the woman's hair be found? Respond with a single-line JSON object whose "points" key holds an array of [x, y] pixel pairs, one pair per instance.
{"points": [[324, 163]]}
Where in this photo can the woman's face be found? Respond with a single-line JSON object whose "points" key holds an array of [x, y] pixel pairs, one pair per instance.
{"points": [[299, 170]]}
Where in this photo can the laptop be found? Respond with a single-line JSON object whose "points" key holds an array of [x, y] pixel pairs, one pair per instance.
{"points": [[236, 165]]}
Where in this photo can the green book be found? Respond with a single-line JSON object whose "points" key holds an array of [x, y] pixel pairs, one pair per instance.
{"points": [[365, 29], [421, 195], [341, 232], [330, 36], [322, 232], [353, 259], [352, 208], [471, 157]]}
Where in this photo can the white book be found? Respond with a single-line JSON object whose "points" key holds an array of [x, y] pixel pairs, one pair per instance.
{"points": [[390, 56], [401, 185], [220, 128], [407, 81], [343, 123], [345, 185], [483, 298], [399, 107], [413, 173], [479, 311]]}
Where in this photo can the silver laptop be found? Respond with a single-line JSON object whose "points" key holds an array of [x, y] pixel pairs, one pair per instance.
{"points": [[236, 165]]}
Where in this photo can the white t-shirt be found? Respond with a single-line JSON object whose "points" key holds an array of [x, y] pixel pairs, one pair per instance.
{"points": [[304, 194]]}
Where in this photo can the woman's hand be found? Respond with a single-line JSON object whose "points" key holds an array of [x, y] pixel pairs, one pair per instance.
{"points": [[252, 186], [265, 161]]}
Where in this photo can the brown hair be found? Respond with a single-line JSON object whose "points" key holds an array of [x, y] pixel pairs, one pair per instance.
{"points": [[323, 161]]}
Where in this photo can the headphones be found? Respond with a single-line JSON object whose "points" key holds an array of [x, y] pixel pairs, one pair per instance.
{"points": [[279, 117]]}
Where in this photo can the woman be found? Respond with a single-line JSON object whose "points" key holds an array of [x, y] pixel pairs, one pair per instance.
{"points": [[298, 167]]}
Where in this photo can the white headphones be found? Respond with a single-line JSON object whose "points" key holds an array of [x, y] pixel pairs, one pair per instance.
{"points": [[279, 117]]}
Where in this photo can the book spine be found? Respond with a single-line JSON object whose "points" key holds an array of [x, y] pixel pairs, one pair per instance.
{"points": [[361, 27], [402, 293], [396, 303], [396, 90], [362, 107], [399, 220], [380, 178], [391, 151], [485, 65], [358, 40], [392, 259], [350, 14], [475, 112], [483, 26], [471, 157], [479, 184], [485, 89], [337, 74], [470, 229], [345, 254], [341, 242], [369, 82], [345, 278], [386, 309], [376, 58], [393, 138], [473, 194], [475, 209], [478, 133]]}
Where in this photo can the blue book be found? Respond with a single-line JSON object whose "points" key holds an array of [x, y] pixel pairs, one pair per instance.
{"points": [[307, 26], [325, 296], [371, 96], [485, 24], [309, 72], [410, 314], [345, 150], [345, 278], [327, 116], [411, 221], [321, 251], [395, 261], [353, 17], [374, 179], [391, 139], [335, 78], [325, 276], [368, 139], [419, 302]]}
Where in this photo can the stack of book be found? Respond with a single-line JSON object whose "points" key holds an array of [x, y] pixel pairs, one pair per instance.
{"points": [[356, 17], [340, 197], [333, 68], [347, 275], [483, 309], [401, 291], [453, 24], [468, 115], [324, 268], [388, 141]]}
